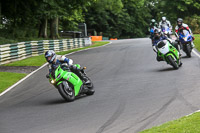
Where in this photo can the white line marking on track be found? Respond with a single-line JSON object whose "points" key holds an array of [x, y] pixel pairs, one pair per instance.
{"points": [[22, 79], [193, 112], [197, 54], [11, 87]]}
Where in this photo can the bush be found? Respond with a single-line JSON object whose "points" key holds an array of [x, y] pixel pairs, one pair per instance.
{"points": [[194, 23], [6, 41]]}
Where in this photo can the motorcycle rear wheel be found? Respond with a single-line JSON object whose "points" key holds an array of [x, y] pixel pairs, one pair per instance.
{"points": [[90, 92], [91, 84], [90, 88]]}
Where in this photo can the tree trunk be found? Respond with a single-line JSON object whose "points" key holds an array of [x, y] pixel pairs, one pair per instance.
{"points": [[54, 28], [0, 14], [43, 29], [14, 22]]}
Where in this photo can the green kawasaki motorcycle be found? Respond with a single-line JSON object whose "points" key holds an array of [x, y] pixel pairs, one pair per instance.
{"points": [[69, 84], [169, 53]]}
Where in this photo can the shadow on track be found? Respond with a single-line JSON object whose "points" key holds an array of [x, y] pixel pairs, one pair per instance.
{"points": [[62, 101], [185, 57], [57, 101], [165, 69]]}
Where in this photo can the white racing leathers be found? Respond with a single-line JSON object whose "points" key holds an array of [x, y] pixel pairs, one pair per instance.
{"points": [[60, 59], [165, 23]]}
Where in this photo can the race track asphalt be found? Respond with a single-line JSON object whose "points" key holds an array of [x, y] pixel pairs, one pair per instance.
{"points": [[133, 92]]}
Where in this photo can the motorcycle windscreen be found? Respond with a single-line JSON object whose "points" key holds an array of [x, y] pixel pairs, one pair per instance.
{"points": [[165, 28], [185, 36], [184, 33], [163, 46]]}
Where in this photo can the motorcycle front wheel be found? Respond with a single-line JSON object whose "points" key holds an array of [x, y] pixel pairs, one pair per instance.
{"points": [[66, 91], [188, 50], [172, 62]]}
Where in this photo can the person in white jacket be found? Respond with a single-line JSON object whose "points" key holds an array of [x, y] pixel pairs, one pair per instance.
{"points": [[163, 22]]}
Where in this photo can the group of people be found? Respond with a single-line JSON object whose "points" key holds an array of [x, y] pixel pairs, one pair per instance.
{"points": [[157, 35], [163, 22]]}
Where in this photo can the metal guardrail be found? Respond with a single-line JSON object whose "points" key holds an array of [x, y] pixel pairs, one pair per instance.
{"points": [[22, 50]]}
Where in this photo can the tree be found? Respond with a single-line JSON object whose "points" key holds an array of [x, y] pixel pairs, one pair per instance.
{"points": [[25, 17], [179, 9], [114, 18], [63, 11], [125, 18]]}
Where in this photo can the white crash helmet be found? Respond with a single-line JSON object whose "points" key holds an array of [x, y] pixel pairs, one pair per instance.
{"points": [[164, 19]]}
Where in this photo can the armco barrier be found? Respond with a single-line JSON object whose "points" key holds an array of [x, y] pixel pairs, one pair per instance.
{"points": [[22, 50]]}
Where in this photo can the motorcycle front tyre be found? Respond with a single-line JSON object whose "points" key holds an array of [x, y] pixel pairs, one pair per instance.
{"points": [[66, 92], [172, 62], [188, 50]]}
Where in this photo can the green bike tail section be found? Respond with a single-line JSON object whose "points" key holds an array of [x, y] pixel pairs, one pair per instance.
{"points": [[70, 77]]}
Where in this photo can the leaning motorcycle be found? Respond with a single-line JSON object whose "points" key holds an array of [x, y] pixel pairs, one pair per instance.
{"points": [[169, 53], [185, 39], [69, 84]]}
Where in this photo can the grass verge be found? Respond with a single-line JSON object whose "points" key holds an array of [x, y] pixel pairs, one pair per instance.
{"points": [[40, 60], [7, 79], [186, 124], [197, 41]]}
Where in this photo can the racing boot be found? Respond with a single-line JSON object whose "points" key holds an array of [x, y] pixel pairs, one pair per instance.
{"points": [[158, 58], [192, 44], [178, 47], [180, 64], [78, 72], [83, 77]]}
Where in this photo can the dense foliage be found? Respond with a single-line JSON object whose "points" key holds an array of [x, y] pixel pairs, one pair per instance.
{"points": [[40, 18], [173, 9], [21, 19]]}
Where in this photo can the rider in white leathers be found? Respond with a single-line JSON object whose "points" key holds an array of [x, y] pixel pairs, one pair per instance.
{"points": [[164, 21]]}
